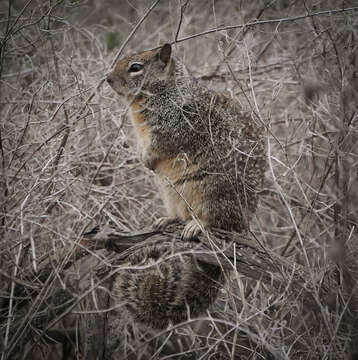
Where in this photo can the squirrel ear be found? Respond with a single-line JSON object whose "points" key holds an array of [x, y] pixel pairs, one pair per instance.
{"points": [[165, 52]]}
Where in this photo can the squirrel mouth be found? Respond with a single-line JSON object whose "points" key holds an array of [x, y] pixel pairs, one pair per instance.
{"points": [[111, 80]]}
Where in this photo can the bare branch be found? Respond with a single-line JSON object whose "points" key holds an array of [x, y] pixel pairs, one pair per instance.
{"points": [[264, 22]]}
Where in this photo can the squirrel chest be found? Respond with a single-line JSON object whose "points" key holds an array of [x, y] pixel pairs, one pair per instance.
{"points": [[174, 169], [143, 131], [179, 188]]}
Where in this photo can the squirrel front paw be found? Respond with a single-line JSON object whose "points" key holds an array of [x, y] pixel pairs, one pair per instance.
{"points": [[149, 159], [191, 230], [163, 222]]}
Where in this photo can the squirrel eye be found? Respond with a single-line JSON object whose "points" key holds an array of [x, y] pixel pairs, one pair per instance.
{"points": [[135, 67]]}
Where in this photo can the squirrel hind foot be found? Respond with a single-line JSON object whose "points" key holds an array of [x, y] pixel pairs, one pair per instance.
{"points": [[191, 230], [163, 222]]}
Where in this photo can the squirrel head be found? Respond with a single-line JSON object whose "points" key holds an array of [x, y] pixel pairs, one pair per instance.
{"points": [[142, 74]]}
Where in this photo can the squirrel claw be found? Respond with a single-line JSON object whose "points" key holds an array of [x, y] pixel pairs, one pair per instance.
{"points": [[191, 230], [163, 222]]}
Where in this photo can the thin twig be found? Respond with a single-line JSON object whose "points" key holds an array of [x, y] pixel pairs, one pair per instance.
{"points": [[182, 10], [11, 301], [264, 22]]}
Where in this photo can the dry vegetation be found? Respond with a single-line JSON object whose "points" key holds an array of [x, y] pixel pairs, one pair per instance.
{"points": [[68, 163]]}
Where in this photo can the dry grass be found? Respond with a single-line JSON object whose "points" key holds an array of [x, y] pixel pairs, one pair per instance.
{"points": [[69, 162]]}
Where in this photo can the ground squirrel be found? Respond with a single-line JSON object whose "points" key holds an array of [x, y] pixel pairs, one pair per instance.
{"points": [[209, 156], [207, 151]]}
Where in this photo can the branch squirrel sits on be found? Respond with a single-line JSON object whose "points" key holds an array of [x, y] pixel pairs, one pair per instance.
{"points": [[206, 150]]}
